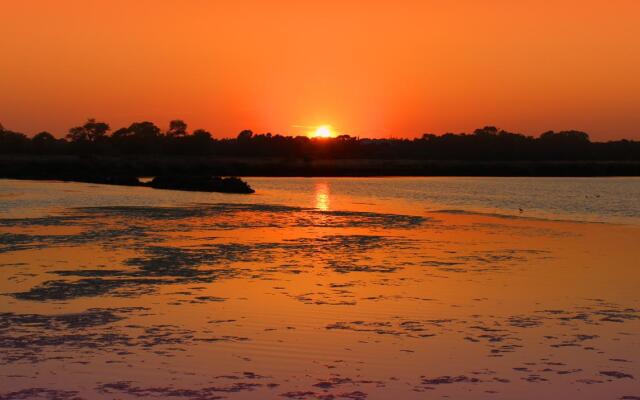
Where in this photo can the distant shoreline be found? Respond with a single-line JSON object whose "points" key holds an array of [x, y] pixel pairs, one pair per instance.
{"points": [[79, 168]]}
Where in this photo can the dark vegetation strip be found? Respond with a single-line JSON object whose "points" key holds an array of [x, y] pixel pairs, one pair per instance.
{"points": [[144, 149], [125, 170]]}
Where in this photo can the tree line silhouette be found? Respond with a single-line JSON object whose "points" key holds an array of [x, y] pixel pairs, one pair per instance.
{"points": [[484, 144]]}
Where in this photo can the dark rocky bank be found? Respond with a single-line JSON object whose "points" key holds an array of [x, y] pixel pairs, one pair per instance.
{"points": [[193, 183]]}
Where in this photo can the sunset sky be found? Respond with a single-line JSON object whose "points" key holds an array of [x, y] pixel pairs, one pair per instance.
{"points": [[374, 68]]}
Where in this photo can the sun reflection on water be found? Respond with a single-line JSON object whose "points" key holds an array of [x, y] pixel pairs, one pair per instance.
{"points": [[322, 196]]}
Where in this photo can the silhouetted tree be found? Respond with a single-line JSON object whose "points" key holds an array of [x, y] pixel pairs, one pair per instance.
{"points": [[138, 138], [43, 137], [200, 142], [486, 131], [13, 142], [45, 143], [177, 128], [565, 145], [565, 136], [91, 131], [245, 135], [202, 135]]}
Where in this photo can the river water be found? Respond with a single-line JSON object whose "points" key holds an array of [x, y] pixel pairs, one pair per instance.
{"points": [[337, 288]]}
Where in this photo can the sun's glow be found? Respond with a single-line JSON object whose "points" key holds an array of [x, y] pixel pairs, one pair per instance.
{"points": [[323, 131]]}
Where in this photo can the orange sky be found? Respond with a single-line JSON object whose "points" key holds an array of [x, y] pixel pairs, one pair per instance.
{"points": [[374, 68]]}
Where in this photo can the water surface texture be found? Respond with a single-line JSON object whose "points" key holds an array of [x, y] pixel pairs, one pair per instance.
{"points": [[408, 288]]}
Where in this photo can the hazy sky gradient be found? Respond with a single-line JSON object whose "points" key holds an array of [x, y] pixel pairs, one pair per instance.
{"points": [[373, 68]]}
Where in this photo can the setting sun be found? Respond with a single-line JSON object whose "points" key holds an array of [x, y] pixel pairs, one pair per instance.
{"points": [[323, 131]]}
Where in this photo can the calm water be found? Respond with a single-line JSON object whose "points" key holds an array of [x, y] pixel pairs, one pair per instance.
{"points": [[407, 288], [614, 200]]}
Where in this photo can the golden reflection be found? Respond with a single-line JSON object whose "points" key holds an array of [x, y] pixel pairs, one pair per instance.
{"points": [[322, 196], [313, 284]]}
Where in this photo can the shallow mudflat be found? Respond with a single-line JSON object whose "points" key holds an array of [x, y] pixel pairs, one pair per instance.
{"points": [[338, 297]]}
